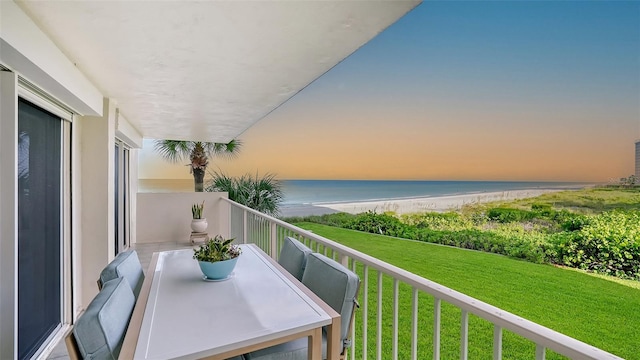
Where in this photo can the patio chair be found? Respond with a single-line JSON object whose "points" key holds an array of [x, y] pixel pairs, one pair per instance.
{"points": [[100, 330], [126, 265], [293, 257], [338, 287]]}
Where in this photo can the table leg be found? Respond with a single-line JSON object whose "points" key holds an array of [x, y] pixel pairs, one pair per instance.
{"points": [[315, 345], [334, 345]]}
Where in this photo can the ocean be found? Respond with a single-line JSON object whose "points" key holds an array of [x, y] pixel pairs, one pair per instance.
{"points": [[318, 192]]}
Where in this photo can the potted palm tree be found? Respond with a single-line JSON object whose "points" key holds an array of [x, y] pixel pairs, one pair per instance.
{"points": [[217, 258], [198, 222]]}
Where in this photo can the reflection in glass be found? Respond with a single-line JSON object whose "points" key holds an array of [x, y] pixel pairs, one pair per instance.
{"points": [[39, 227]]}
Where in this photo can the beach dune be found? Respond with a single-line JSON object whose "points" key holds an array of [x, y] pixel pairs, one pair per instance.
{"points": [[413, 205]]}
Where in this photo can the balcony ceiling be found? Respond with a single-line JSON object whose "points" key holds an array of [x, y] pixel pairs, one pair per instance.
{"points": [[207, 70]]}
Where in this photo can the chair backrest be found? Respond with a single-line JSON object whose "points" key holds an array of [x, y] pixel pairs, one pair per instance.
{"points": [[334, 284], [126, 265], [293, 257], [100, 330]]}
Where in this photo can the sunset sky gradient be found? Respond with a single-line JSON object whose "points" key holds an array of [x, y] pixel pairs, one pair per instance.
{"points": [[504, 90]]}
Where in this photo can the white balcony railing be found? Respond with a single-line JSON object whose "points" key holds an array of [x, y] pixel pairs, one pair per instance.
{"points": [[250, 226]]}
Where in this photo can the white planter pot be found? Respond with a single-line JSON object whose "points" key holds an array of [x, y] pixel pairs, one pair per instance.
{"points": [[199, 225]]}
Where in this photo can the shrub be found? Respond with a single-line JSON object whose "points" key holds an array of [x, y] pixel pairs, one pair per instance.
{"points": [[541, 207], [522, 246], [383, 224], [527, 245], [507, 215], [609, 244], [437, 221], [337, 219], [541, 210], [574, 222]]}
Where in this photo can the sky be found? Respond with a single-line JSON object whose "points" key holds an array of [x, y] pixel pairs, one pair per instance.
{"points": [[457, 90]]}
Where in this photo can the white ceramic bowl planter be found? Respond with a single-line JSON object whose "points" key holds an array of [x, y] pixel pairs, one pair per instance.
{"points": [[199, 222], [199, 225]]}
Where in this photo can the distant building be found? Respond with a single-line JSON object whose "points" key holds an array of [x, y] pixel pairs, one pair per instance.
{"points": [[638, 159]]}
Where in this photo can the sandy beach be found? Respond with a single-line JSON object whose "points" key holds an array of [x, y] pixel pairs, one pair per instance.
{"points": [[413, 205]]}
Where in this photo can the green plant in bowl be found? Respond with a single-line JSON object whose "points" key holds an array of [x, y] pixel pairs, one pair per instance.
{"points": [[217, 257]]}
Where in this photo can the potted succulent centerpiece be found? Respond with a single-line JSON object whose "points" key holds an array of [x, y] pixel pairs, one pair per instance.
{"points": [[199, 223], [217, 257]]}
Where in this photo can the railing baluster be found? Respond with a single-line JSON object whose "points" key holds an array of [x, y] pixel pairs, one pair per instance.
{"points": [[379, 322], [244, 226], [464, 336], [497, 342], [344, 260], [395, 319], [259, 231], [249, 230], [273, 241], [264, 235], [254, 233], [365, 313], [436, 328], [540, 352], [414, 325], [353, 328]]}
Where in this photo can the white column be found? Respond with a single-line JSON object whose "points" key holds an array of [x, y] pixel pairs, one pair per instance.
{"points": [[97, 217], [8, 215]]}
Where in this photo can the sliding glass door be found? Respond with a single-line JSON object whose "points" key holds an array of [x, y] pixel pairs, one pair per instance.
{"points": [[40, 205], [121, 196]]}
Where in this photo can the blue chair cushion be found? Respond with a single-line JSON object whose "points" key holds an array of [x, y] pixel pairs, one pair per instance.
{"points": [[100, 330], [293, 257], [334, 284], [126, 265]]}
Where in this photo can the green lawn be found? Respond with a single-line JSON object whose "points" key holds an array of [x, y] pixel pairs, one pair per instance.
{"points": [[594, 310]]}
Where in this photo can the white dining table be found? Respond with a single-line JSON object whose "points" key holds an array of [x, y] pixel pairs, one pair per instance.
{"points": [[180, 315]]}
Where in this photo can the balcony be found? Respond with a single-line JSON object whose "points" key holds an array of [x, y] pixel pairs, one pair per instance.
{"points": [[44, 60], [409, 305]]}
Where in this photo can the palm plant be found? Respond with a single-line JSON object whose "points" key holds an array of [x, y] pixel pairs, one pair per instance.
{"points": [[259, 193], [198, 152]]}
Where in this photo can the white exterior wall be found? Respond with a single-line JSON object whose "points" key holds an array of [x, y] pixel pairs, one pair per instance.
{"points": [[8, 215], [166, 217]]}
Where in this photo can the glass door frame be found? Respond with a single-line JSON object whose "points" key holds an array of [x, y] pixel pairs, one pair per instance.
{"points": [[66, 254], [122, 196], [13, 87]]}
